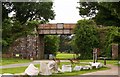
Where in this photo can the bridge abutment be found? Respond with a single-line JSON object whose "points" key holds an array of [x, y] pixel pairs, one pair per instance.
{"points": [[41, 47]]}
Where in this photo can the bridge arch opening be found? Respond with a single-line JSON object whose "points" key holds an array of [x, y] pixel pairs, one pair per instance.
{"points": [[52, 29]]}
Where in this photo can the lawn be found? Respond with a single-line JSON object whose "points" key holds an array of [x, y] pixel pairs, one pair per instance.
{"points": [[68, 56], [17, 69], [6, 61], [65, 55], [114, 62]]}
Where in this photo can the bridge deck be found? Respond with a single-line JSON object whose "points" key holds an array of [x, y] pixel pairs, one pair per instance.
{"points": [[59, 28]]}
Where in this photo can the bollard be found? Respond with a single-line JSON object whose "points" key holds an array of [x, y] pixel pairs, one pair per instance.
{"points": [[93, 57], [104, 61]]}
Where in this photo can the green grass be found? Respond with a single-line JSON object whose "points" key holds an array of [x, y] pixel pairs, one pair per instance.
{"points": [[65, 55], [6, 61], [14, 70], [113, 62], [17, 69], [22, 69], [68, 56]]}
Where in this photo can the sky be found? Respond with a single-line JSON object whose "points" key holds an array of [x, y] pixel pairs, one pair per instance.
{"points": [[66, 11]]}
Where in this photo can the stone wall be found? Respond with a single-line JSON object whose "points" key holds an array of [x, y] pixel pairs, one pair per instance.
{"points": [[114, 51], [26, 47]]}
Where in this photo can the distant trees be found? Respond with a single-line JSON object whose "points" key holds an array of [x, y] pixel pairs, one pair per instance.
{"points": [[51, 44], [64, 45]]}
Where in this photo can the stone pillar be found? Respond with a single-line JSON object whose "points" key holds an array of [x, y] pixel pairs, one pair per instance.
{"points": [[41, 47], [114, 51], [94, 55]]}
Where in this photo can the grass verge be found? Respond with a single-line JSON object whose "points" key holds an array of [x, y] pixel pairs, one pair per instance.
{"points": [[6, 61], [16, 70]]}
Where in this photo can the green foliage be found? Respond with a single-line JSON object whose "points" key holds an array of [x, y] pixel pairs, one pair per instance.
{"points": [[65, 45], [87, 9], [107, 37], [85, 38], [51, 44], [27, 11], [103, 13], [11, 30], [113, 7]]}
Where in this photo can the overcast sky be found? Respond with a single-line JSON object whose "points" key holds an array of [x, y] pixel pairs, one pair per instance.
{"points": [[66, 11]]}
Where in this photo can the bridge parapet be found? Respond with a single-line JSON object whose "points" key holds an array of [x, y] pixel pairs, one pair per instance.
{"points": [[59, 28]]}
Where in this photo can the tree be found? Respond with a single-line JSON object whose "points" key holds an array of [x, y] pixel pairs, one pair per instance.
{"points": [[65, 45], [106, 38], [85, 38], [51, 44], [27, 11], [103, 13], [11, 30], [7, 33]]}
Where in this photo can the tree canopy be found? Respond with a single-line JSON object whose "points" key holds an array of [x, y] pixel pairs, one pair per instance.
{"points": [[103, 13], [29, 10]]}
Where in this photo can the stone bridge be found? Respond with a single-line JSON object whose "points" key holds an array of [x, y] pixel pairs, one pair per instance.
{"points": [[52, 29]]}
